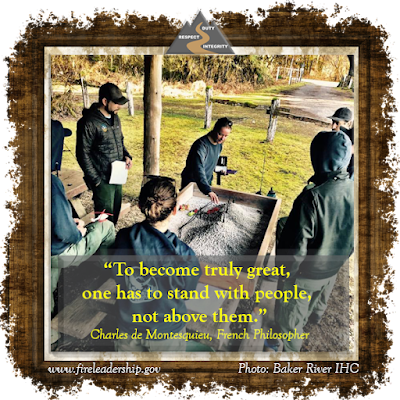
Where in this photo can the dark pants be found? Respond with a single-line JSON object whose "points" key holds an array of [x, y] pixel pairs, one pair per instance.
{"points": [[109, 198], [293, 315]]}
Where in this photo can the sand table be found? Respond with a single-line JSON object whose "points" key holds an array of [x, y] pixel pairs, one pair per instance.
{"points": [[232, 230]]}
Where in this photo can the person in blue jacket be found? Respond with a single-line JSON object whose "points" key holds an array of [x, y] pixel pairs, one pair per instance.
{"points": [[71, 241], [203, 157], [151, 238]]}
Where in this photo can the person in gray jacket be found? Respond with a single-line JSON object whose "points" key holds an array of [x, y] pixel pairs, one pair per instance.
{"points": [[318, 236], [99, 143], [203, 157]]}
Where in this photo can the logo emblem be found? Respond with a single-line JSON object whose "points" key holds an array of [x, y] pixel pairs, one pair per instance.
{"points": [[137, 282], [104, 128], [200, 37]]}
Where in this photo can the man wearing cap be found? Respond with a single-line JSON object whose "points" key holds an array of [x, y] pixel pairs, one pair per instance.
{"points": [[341, 120], [99, 143], [318, 236]]}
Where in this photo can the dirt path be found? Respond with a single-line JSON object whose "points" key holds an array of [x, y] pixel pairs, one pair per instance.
{"points": [[317, 99]]}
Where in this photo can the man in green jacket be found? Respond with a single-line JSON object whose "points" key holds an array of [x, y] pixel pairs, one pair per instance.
{"points": [[318, 236], [342, 119]]}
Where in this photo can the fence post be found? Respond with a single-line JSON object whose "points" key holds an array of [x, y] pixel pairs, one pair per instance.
{"points": [[208, 110], [350, 82], [152, 113], [273, 120], [277, 74], [85, 95], [129, 93], [290, 76], [301, 73]]}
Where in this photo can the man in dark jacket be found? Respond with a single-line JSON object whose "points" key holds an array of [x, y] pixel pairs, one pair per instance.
{"points": [[318, 236], [342, 120], [203, 157], [99, 143]]}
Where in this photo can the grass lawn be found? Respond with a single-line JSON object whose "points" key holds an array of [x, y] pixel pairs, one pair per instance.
{"points": [[287, 163]]}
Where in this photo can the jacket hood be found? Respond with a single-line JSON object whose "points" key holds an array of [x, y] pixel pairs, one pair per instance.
{"points": [[93, 108], [94, 113], [330, 154], [58, 132]]}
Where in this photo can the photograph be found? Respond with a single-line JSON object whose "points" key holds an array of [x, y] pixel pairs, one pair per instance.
{"points": [[199, 202], [246, 166]]}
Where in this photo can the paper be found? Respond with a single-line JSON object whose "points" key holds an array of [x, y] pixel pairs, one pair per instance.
{"points": [[100, 218], [119, 173], [220, 168]]}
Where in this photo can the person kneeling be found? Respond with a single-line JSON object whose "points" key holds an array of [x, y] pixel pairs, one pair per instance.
{"points": [[151, 238]]}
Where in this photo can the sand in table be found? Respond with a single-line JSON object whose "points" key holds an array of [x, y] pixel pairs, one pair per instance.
{"points": [[239, 231]]}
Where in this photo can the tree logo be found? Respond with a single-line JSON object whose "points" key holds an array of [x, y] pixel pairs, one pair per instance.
{"points": [[200, 37]]}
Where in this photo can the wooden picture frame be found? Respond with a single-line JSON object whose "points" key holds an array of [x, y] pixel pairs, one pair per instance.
{"points": [[24, 285]]}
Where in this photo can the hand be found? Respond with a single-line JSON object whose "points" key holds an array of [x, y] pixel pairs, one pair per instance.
{"points": [[81, 226], [82, 230], [79, 222], [213, 197], [128, 163]]}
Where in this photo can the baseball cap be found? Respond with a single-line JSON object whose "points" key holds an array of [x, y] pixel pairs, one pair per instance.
{"points": [[342, 114], [112, 93]]}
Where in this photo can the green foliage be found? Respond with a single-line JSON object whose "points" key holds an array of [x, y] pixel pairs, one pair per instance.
{"points": [[252, 70], [232, 71], [68, 70]]}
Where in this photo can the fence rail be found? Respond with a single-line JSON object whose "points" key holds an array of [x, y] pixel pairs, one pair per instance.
{"points": [[293, 74]]}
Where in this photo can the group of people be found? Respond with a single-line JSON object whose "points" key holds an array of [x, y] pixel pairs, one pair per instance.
{"points": [[321, 222], [99, 143]]}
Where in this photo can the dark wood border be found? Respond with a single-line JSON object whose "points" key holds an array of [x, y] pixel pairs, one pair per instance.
{"points": [[23, 296]]}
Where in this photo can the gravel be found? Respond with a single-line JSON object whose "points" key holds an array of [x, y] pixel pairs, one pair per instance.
{"points": [[232, 230], [239, 232]]}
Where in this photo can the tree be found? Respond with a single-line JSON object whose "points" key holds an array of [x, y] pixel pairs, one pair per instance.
{"points": [[347, 81], [351, 66]]}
